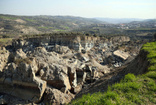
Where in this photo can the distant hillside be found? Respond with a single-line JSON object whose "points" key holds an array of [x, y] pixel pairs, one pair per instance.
{"points": [[140, 29], [148, 23], [21, 25], [118, 20]]}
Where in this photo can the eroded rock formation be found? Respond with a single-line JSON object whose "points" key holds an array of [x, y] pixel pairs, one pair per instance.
{"points": [[52, 69]]}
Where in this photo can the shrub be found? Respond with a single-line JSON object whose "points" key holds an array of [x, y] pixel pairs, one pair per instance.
{"points": [[151, 74], [129, 78]]}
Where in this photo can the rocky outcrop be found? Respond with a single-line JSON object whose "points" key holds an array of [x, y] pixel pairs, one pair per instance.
{"points": [[119, 39], [50, 69], [19, 79], [31, 91], [55, 97], [139, 65], [74, 42], [121, 54], [28, 76], [61, 49], [4, 56]]}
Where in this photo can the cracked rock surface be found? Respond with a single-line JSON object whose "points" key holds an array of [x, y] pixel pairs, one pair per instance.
{"points": [[50, 70]]}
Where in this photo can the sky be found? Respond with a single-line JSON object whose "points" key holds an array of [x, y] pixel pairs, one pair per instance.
{"points": [[145, 9]]}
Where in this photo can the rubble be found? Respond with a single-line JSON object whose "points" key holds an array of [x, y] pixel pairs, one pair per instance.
{"points": [[35, 73]]}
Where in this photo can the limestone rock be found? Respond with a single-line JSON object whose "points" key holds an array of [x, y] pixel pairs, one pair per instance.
{"points": [[56, 97], [77, 89], [19, 80], [120, 39], [61, 49], [122, 55], [19, 54], [72, 76], [57, 77], [4, 56], [29, 91], [10, 69]]}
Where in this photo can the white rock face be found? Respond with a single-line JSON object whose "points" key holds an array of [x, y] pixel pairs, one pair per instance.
{"points": [[4, 54], [20, 54], [123, 55], [56, 67]]}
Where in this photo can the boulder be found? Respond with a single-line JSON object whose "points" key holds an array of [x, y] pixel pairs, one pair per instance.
{"points": [[31, 91], [121, 54], [61, 49], [53, 69], [10, 69], [77, 89], [19, 80], [19, 54], [57, 76], [56, 97]]}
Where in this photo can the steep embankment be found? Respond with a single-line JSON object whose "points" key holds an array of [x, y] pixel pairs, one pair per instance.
{"points": [[132, 89]]}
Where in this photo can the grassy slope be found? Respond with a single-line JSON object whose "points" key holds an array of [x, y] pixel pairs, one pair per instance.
{"points": [[41, 24], [131, 90]]}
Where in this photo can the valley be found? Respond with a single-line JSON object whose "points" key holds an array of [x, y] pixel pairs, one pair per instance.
{"points": [[56, 59]]}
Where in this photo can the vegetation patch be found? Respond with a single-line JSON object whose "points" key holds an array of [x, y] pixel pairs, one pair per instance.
{"points": [[5, 41], [46, 27], [151, 49], [59, 30], [7, 17], [132, 90], [30, 20]]}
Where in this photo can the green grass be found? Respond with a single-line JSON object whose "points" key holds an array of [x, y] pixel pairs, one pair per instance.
{"points": [[59, 30], [132, 90], [45, 27], [30, 20], [7, 17], [151, 49], [142, 29], [5, 41]]}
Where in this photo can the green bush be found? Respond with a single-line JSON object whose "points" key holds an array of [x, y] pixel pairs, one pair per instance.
{"points": [[151, 74], [129, 78]]}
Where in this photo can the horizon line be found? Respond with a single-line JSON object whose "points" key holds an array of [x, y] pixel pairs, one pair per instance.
{"points": [[81, 16]]}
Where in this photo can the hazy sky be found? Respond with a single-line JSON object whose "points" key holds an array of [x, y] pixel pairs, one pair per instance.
{"points": [[84, 8]]}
